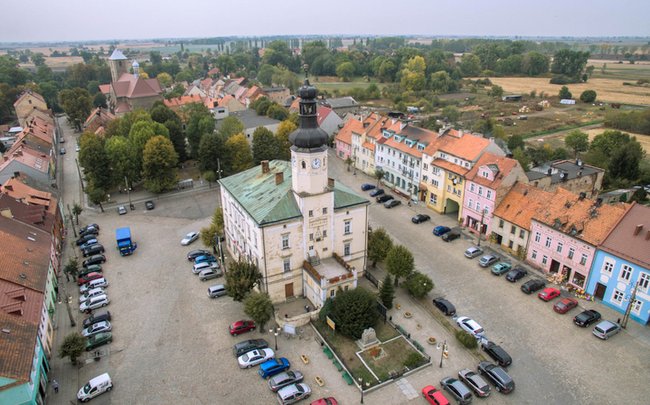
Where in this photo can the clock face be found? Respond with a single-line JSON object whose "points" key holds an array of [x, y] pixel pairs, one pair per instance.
{"points": [[315, 163]]}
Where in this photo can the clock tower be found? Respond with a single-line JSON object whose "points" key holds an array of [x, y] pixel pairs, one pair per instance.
{"points": [[309, 148]]}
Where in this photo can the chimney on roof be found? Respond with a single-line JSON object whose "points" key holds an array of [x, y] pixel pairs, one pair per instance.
{"points": [[579, 162], [638, 229], [549, 171], [279, 178], [16, 175], [583, 195], [265, 166], [599, 202], [366, 124], [330, 182]]}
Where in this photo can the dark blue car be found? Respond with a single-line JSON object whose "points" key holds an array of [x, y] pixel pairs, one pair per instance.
{"points": [[440, 230], [376, 192], [367, 186]]}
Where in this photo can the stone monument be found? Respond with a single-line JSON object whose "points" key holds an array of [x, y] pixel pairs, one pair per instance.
{"points": [[368, 339]]}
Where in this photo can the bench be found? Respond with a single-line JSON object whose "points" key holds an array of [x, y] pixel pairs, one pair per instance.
{"points": [[328, 353], [338, 365], [304, 359], [348, 378], [319, 381]]}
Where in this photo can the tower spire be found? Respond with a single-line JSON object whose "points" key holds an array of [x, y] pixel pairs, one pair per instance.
{"points": [[308, 135]]}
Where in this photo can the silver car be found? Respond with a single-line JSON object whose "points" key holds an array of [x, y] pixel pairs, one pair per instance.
{"points": [[91, 293], [210, 274], [457, 389], [473, 251], [284, 379], [487, 260], [605, 329], [475, 382], [104, 326], [293, 393], [199, 267]]}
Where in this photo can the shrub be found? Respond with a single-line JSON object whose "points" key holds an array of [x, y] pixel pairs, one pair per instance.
{"points": [[565, 93], [466, 339], [413, 360], [353, 311], [561, 79], [588, 96], [418, 284]]}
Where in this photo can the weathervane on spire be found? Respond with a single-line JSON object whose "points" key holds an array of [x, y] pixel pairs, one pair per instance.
{"points": [[305, 67]]}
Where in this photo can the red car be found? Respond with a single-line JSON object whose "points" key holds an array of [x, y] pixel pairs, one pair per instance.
{"points": [[548, 294], [565, 305], [241, 327], [88, 277], [325, 401], [433, 396]]}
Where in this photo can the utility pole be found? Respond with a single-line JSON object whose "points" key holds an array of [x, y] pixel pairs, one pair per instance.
{"points": [[628, 310], [444, 353], [219, 168], [71, 221], [128, 192], [480, 228], [81, 180]]}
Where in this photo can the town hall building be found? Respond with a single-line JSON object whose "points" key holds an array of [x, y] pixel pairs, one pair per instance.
{"points": [[306, 233]]}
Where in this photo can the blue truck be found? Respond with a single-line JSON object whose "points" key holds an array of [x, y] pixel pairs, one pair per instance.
{"points": [[125, 244]]}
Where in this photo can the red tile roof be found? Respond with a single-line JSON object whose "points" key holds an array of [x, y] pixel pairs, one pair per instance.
{"points": [[29, 93], [345, 133], [27, 156], [501, 164], [131, 86], [17, 347], [630, 238], [521, 203], [420, 135], [105, 88], [449, 166]]}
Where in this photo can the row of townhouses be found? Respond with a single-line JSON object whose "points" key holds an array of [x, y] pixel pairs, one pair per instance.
{"points": [[32, 236], [549, 216]]}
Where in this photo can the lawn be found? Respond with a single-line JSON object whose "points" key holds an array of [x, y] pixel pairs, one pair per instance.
{"points": [[395, 353], [331, 83]]}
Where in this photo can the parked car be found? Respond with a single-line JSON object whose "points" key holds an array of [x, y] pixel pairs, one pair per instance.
{"points": [[62, 150], [189, 238], [449, 236], [96, 268], [377, 192], [88, 244], [367, 186], [193, 254], [100, 339], [205, 258], [242, 326], [497, 376], [285, 378], [149, 205], [248, 345], [85, 228], [470, 326], [533, 285], [325, 401], [565, 305], [121, 210], [605, 329], [501, 268], [96, 317], [293, 393], [445, 306], [93, 250], [255, 357], [392, 203], [434, 396], [548, 294], [457, 389], [96, 386], [496, 352], [586, 318], [475, 382], [96, 259], [516, 274], [419, 218], [77, 148], [441, 230], [273, 366], [209, 274], [96, 283], [473, 251], [85, 238], [384, 198], [94, 303], [487, 260], [217, 290], [104, 326], [87, 277], [90, 230], [199, 267]]}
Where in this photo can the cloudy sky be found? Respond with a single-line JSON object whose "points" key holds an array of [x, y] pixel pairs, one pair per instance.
{"points": [[71, 20]]}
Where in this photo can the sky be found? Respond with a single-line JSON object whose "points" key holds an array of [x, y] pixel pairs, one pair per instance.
{"points": [[78, 20]]}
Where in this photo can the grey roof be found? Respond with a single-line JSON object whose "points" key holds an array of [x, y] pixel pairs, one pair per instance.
{"points": [[250, 119], [117, 55], [571, 168], [341, 102], [268, 203]]}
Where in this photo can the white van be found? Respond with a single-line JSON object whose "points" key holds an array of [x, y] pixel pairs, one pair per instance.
{"points": [[95, 387], [216, 291], [92, 284]]}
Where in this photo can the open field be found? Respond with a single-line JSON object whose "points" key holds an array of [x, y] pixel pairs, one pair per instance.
{"points": [[609, 90], [331, 83], [625, 71]]}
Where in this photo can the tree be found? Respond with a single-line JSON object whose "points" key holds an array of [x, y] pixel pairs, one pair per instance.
{"points": [[76, 211], [535, 63], [265, 74], [569, 63], [578, 141], [520, 155], [200, 123], [165, 79], [624, 162], [496, 91], [516, 141], [470, 65], [451, 113], [239, 154], [76, 103], [94, 160], [588, 96], [387, 292], [241, 278], [122, 162], [418, 284], [565, 93], [96, 195], [399, 262], [354, 311], [265, 146], [99, 100], [259, 308], [413, 74], [71, 269], [379, 175], [211, 149], [210, 177], [345, 71], [159, 162], [285, 128], [379, 244], [230, 126], [277, 112], [73, 345], [209, 236], [442, 82]]}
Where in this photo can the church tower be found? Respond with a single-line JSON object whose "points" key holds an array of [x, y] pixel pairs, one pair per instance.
{"points": [[118, 65]]}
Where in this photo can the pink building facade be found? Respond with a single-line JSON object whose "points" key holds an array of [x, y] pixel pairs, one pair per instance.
{"points": [[343, 150]]}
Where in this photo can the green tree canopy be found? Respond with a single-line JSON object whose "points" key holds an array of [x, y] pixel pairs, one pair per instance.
{"points": [[230, 126], [577, 141], [354, 311], [76, 103], [94, 160], [122, 162], [379, 244], [241, 278], [211, 150], [413, 74], [159, 162], [588, 96], [259, 308], [199, 123], [345, 71], [565, 93], [265, 146], [387, 292], [239, 154], [418, 284], [569, 63], [72, 346], [470, 65], [441, 82], [516, 141], [285, 128], [399, 262]]}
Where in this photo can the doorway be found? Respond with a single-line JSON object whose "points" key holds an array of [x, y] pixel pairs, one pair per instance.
{"points": [[288, 290], [600, 291]]}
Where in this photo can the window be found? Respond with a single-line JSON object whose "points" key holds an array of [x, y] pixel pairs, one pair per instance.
{"points": [[534, 255], [510, 244], [325, 234], [435, 183], [285, 241], [489, 194], [548, 241], [347, 229], [433, 199], [544, 260], [471, 204], [346, 249], [480, 190], [559, 247], [311, 236], [538, 236], [644, 281], [311, 213], [617, 298], [471, 187], [501, 223], [287, 265], [324, 210], [332, 291], [626, 272], [513, 229], [572, 251], [522, 233], [636, 306], [608, 267], [583, 259]]}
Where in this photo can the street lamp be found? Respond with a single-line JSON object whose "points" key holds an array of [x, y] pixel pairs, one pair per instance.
{"points": [[361, 385], [275, 332], [444, 353], [480, 227]]}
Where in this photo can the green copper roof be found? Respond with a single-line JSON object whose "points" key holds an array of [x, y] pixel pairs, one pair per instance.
{"points": [[267, 202]]}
